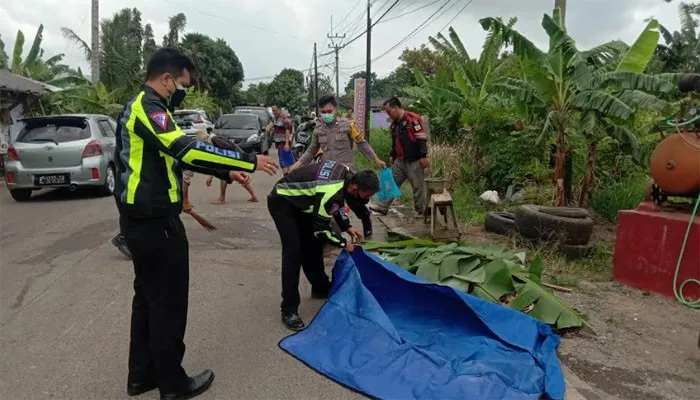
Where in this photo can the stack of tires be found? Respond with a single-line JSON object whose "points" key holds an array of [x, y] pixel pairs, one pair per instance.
{"points": [[570, 228]]}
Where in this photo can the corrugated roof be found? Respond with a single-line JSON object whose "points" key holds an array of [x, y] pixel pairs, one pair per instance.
{"points": [[17, 83]]}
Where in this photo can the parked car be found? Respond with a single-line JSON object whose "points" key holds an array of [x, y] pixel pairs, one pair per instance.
{"points": [[191, 121], [266, 116], [61, 151], [245, 130]]}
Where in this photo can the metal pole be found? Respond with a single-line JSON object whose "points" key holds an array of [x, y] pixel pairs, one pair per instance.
{"points": [[315, 79], [368, 72], [337, 74], [95, 41]]}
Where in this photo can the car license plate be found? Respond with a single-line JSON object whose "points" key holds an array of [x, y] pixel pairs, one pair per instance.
{"points": [[50, 180]]}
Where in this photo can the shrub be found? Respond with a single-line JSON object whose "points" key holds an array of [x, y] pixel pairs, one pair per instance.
{"points": [[624, 195]]}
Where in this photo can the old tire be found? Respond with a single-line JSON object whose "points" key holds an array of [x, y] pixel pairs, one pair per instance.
{"points": [[21, 194], [532, 223], [567, 212], [576, 252], [500, 222], [689, 83]]}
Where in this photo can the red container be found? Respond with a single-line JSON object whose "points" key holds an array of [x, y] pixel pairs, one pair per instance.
{"points": [[647, 247]]}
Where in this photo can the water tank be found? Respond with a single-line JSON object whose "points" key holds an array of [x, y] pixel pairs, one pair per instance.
{"points": [[675, 164]]}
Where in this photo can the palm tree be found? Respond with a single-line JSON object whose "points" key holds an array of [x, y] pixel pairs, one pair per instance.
{"points": [[565, 84]]}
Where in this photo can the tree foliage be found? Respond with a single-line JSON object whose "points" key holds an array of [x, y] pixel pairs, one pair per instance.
{"points": [[287, 89]]}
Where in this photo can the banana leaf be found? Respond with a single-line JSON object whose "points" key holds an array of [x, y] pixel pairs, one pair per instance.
{"points": [[548, 308]]}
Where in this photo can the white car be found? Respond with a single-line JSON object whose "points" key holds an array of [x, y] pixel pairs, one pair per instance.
{"points": [[191, 121]]}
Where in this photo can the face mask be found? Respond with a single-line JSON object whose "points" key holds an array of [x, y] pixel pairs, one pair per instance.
{"points": [[176, 98], [328, 118]]}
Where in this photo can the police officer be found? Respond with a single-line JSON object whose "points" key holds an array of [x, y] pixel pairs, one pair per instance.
{"points": [[302, 205], [150, 150], [335, 137]]}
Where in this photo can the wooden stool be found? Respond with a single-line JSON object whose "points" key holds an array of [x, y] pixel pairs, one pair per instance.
{"points": [[442, 210]]}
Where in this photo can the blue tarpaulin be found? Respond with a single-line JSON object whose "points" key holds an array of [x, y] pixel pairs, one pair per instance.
{"points": [[391, 335]]}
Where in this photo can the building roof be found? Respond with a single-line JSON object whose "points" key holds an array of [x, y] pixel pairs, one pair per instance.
{"points": [[10, 82]]}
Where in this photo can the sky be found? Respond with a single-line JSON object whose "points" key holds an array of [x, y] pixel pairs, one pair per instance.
{"points": [[268, 35]]}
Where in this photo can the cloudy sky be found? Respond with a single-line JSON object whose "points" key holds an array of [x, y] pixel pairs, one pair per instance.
{"points": [[268, 35]]}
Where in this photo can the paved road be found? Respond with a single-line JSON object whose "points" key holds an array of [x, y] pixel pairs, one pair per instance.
{"points": [[65, 297]]}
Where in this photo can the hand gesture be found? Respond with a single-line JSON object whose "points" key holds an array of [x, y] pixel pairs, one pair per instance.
{"points": [[355, 235], [381, 164], [243, 178], [391, 161], [266, 164]]}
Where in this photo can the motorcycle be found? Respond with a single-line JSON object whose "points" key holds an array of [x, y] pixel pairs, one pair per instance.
{"points": [[304, 135]]}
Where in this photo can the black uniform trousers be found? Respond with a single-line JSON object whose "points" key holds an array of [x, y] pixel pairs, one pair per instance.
{"points": [[300, 250], [159, 310]]}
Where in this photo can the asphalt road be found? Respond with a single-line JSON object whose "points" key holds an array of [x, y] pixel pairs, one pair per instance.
{"points": [[66, 293]]}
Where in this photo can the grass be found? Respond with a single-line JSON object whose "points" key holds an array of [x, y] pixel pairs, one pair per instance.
{"points": [[618, 196]]}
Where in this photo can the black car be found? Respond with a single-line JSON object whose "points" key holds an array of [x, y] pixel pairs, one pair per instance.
{"points": [[245, 130], [266, 117]]}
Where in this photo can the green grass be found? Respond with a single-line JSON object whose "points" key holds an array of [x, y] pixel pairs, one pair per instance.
{"points": [[618, 196], [468, 205]]}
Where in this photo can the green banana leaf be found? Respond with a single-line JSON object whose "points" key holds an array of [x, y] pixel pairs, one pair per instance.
{"points": [[486, 271], [641, 52]]}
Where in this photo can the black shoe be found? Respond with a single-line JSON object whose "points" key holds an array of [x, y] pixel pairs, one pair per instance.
{"points": [[321, 293], [293, 321], [137, 388], [193, 387], [367, 228], [120, 243]]}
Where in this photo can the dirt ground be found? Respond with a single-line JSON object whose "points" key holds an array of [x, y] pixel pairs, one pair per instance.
{"points": [[639, 345]]}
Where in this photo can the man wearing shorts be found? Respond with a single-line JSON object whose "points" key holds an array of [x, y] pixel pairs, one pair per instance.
{"points": [[282, 136]]}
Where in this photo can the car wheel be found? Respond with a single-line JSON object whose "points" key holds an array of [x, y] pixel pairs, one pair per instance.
{"points": [[500, 222], [110, 181], [533, 223], [21, 194]]}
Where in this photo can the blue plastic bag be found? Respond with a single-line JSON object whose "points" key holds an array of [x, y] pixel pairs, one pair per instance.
{"points": [[388, 189]]}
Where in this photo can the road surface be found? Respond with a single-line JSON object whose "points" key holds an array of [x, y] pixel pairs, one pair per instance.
{"points": [[66, 293]]}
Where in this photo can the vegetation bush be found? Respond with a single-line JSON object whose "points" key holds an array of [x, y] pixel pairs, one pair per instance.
{"points": [[624, 195]]}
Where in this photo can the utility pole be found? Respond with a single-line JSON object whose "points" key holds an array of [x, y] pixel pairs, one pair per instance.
{"points": [[95, 41], [336, 48], [561, 4], [368, 72], [315, 79]]}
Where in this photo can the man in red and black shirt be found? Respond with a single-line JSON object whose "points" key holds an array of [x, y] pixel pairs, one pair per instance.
{"points": [[409, 154]]}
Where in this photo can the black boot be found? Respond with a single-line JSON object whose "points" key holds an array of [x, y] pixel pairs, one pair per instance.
{"points": [[119, 242], [193, 387], [367, 227], [135, 388], [293, 321]]}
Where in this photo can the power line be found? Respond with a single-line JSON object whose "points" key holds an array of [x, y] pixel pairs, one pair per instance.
{"points": [[262, 78], [456, 15], [420, 27], [365, 31], [410, 12], [266, 28], [347, 16]]}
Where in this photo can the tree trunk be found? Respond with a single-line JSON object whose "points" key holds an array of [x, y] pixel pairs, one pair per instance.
{"points": [[561, 4], [588, 175], [560, 196], [95, 42]]}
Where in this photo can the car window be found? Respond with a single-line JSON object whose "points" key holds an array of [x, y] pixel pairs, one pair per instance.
{"points": [[114, 125], [186, 117], [106, 128], [58, 131], [238, 121]]}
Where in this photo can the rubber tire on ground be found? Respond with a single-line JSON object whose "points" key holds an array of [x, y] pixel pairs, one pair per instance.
{"points": [[574, 252], [501, 223], [532, 223], [105, 190], [21, 194], [567, 212]]}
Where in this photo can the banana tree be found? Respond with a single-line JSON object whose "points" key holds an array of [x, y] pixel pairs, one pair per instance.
{"points": [[565, 83], [474, 77], [50, 71]]}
